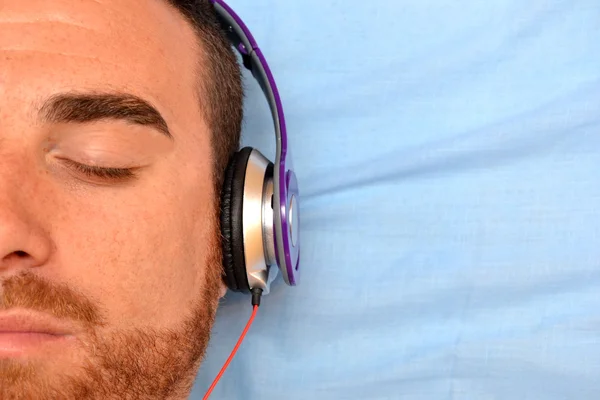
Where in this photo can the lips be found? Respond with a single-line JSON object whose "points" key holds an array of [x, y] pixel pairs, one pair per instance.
{"points": [[23, 332], [30, 322]]}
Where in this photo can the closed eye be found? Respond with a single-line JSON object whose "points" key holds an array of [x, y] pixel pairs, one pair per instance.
{"points": [[109, 174]]}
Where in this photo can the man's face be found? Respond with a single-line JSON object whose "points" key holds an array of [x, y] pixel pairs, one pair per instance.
{"points": [[110, 278]]}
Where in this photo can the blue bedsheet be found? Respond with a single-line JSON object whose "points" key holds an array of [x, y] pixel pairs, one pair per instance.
{"points": [[448, 154]]}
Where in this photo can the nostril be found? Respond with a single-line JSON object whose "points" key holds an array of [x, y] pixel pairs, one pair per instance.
{"points": [[14, 256]]}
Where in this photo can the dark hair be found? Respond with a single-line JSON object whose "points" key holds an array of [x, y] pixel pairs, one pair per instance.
{"points": [[220, 83]]}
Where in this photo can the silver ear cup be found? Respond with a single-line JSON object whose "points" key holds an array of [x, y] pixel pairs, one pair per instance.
{"points": [[268, 217], [257, 221]]}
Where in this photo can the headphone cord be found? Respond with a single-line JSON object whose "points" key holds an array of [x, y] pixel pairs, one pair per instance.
{"points": [[256, 296]]}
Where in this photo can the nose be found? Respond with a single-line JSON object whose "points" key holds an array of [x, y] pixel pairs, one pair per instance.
{"points": [[23, 241]]}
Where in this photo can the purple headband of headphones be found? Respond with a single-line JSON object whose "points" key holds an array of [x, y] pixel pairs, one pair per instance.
{"points": [[285, 185]]}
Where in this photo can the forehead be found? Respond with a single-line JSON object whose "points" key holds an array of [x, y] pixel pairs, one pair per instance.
{"points": [[141, 46]]}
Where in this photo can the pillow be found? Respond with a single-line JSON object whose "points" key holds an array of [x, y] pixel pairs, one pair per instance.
{"points": [[448, 156]]}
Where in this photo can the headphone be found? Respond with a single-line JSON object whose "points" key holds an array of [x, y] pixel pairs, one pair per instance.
{"points": [[259, 199]]}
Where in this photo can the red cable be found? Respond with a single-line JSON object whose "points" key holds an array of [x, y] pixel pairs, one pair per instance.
{"points": [[235, 349]]}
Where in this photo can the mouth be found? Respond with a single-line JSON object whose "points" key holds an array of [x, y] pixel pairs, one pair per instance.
{"points": [[23, 332]]}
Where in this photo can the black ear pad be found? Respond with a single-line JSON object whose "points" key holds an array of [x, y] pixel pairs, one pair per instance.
{"points": [[232, 201]]}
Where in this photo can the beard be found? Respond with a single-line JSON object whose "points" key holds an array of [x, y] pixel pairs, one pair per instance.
{"points": [[141, 363]]}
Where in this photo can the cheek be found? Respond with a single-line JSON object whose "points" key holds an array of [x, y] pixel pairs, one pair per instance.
{"points": [[141, 254]]}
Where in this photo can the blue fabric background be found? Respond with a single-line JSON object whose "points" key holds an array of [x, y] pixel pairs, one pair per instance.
{"points": [[448, 155]]}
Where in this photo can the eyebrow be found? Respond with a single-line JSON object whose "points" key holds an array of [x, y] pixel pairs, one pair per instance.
{"points": [[90, 107]]}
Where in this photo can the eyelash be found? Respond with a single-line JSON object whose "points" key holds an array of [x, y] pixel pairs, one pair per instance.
{"points": [[114, 174]]}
